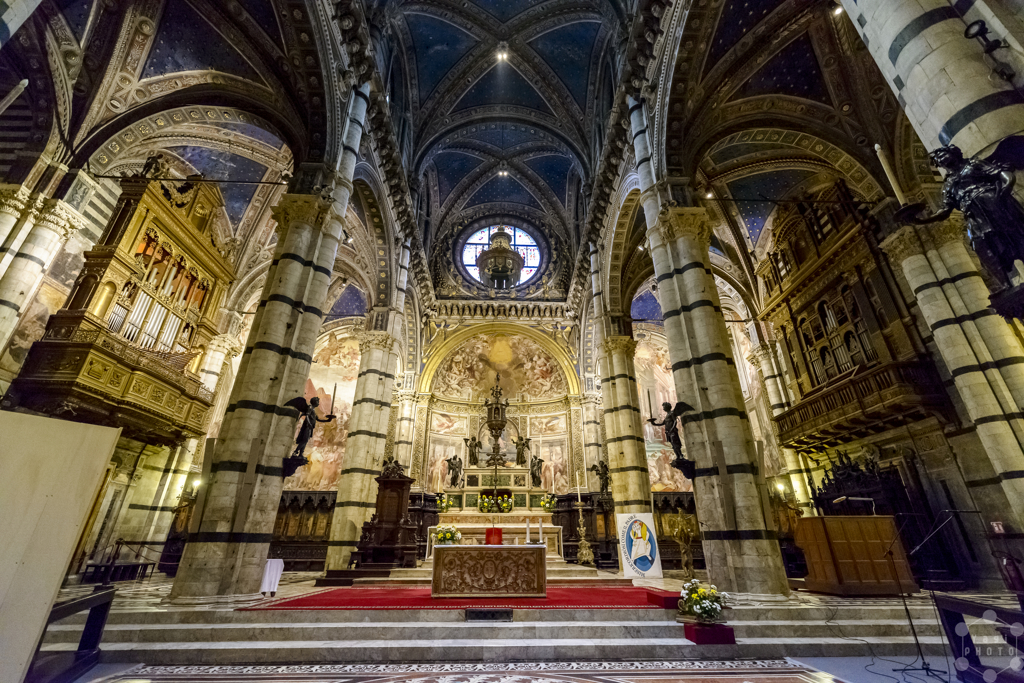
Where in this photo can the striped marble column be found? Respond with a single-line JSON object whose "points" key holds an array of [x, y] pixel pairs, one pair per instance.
{"points": [[943, 81], [403, 428], [13, 14], [55, 223], [217, 350], [763, 358], [379, 360], [357, 490], [14, 199], [742, 553], [976, 354], [227, 555], [624, 435], [592, 446]]}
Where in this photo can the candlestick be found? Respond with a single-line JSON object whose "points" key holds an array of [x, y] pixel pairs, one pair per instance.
{"points": [[579, 496], [527, 530], [890, 174]]}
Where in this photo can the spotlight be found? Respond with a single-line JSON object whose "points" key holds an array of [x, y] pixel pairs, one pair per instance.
{"points": [[709, 195], [838, 10], [781, 487]]}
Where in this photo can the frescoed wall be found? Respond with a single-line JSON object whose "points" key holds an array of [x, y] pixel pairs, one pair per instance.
{"points": [[335, 364], [655, 384], [526, 370]]}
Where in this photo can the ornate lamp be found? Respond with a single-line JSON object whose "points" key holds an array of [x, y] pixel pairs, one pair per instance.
{"points": [[500, 265], [496, 421]]}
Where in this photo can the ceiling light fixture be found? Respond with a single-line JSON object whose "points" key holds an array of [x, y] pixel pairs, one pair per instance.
{"points": [[709, 195], [838, 10], [502, 53]]}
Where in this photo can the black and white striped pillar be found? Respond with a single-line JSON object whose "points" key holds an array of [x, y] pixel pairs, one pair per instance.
{"points": [[943, 81], [227, 554], [742, 552]]}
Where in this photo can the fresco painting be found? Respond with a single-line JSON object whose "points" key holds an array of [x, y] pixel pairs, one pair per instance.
{"points": [[547, 425], [448, 425], [440, 449], [336, 361], [48, 300], [656, 386], [506, 443], [526, 369]]}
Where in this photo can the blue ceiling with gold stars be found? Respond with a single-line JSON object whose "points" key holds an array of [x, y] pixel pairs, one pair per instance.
{"points": [[737, 19], [503, 189], [221, 165], [794, 71], [187, 42], [770, 185], [439, 46]]}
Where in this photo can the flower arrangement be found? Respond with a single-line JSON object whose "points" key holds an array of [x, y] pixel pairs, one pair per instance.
{"points": [[706, 604], [548, 503], [445, 502], [447, 534], [503, 503]]}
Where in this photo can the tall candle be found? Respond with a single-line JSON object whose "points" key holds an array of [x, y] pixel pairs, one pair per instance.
{"points": [[579, 496], [527, 530], [540, 531]]}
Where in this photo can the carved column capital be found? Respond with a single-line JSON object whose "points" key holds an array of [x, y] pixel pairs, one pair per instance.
{"points": [[626, 345], [311, 209], [760, 354], [903, 244], [676, 222], [13, 199], [57, 216], [374, 339], [953, 229]]}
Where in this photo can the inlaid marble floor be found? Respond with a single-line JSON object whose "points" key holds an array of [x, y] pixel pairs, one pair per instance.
{"points": [[737, 671]]}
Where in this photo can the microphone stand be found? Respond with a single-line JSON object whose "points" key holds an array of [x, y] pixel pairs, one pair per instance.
{"points": [[925, 666]]}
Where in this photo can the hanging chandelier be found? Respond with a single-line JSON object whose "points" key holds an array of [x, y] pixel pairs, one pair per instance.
{"points": [[500, 265]]}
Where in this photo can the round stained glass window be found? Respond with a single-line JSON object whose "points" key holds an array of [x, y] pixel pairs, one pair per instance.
{"points": [[522, 242]]}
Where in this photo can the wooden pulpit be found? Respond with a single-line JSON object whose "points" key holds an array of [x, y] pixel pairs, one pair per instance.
{"points": [[846, 555]]}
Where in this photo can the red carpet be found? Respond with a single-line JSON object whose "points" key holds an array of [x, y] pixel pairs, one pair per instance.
{"points": [[559, 597]]}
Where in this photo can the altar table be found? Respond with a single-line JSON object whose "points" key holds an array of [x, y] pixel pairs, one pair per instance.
{"points": [[489, 571]]}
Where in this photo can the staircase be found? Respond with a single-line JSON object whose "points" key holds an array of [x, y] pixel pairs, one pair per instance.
{"points": [[220, 636]]}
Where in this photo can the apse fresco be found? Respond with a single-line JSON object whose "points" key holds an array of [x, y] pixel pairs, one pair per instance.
{"points": [[526, 369], [336, 362], [441, 449], [555, 471], [448, 425], [549, 424], [654, 380]]}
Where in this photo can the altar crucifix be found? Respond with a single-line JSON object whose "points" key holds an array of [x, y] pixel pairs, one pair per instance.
{"points": [[496, 422]]}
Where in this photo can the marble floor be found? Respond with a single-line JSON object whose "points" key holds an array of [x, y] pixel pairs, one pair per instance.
{"points": [[730, 671]]}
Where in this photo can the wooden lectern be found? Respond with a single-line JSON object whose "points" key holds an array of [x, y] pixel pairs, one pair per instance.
{"points": [[846, 555]]}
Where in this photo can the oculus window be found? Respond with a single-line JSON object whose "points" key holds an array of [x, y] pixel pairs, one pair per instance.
{"points": [[522, 242]]}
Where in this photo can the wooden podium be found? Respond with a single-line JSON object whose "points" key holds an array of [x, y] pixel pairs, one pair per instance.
{"points": [[847, 555]]}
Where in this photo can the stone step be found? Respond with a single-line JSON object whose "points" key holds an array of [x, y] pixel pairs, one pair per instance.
{"points": [[213, 633], [472, 650], [846, 628]]}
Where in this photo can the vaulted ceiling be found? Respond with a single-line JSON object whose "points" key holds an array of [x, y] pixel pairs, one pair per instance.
{"points": [[770, 99], [504, 140]]}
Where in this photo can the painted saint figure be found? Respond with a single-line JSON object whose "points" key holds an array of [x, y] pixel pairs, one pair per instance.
{"points": [[473, 446], [671, 425], [522, 445]]}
